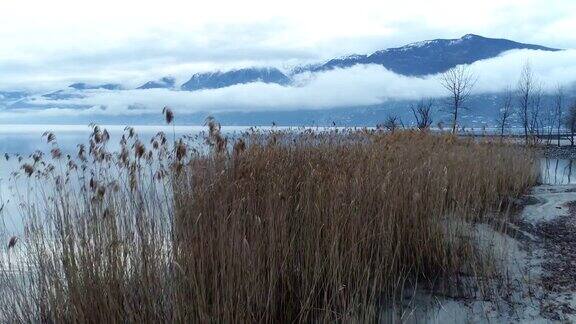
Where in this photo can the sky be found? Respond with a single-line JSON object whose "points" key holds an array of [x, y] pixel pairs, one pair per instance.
{"points": [[47, 45]]}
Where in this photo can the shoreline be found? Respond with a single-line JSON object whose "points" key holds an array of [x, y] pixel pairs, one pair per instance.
{"points": [[536, 248], [566, 152]]}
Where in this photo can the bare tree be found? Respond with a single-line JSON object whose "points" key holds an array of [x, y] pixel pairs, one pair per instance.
{"points": [[536, 113], [423, 113], [549, 120], [525, 90], [547, 113], [458, 81], [558, 109], [570, 122], [505, 111], [391, 123]]}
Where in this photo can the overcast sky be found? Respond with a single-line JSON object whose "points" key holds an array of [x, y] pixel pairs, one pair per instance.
{"points": [[48, 44]]}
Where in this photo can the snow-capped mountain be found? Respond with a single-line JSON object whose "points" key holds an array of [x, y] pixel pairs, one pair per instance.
{"points": [[214, 80], [164, 83], [416, 59], [432, 56]]}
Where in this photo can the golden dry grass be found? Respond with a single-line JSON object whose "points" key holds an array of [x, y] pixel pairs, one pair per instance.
{"points": [[281, 227]]}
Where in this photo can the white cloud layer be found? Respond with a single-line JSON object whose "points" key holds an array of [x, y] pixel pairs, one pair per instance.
{"points": [[49, 44], [356, 86]]}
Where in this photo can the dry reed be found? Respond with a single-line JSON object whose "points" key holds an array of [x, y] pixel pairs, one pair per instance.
{"points": [[275, 227]]}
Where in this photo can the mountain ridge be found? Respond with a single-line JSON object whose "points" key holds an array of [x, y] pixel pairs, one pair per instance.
{"points": [[416, 59], [219, 79], [426, 57], [432, 56]]}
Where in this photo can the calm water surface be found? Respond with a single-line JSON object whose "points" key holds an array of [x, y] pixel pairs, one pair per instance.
{"points": [[558, 171], [26, 139], [23, 140]]}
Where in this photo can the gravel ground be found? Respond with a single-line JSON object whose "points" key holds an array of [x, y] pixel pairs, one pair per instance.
{"points": [[559, 267], [539, 252], [551, 226], [558, 152]]}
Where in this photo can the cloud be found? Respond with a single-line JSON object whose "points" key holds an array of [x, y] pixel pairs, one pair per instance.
{"points": [[49, 44], [549, 68], [136, 59], [360, 85]]}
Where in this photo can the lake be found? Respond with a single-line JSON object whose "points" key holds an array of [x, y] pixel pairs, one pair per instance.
{"points": [[558, 171], [23, 140]]}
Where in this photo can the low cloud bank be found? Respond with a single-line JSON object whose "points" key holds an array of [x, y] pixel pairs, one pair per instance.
{"points": [[355, 86]]}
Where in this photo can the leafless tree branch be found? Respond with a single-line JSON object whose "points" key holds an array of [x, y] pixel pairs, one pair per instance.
{"points": [[458, 82]]}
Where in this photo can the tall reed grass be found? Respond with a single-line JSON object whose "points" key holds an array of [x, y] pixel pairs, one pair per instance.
{"points": [[271, 227]]}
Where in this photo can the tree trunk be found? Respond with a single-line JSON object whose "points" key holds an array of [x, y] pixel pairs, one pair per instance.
{"points": [[526, 128], [558, 133], [455, 120]]}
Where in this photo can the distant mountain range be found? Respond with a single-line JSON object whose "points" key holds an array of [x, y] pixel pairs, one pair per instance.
{"points": [[214, 80], [415, 60], [432, 56], [164, 83]]}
